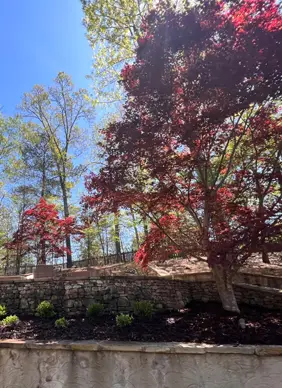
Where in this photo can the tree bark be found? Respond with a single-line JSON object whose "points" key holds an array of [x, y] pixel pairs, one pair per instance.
{"points": [[42, 258], [88, 249], [223, 280], [134, 226], [66, 214], [101, 243], [117, 236], [43, 183], [146, 231], [264, 255]]}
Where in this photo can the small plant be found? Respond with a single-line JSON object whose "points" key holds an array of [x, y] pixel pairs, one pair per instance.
{"points": [[10, 320], [61, 323], [124, 320], [143, 309], [3, 311], [45, 310], [95, 310]]}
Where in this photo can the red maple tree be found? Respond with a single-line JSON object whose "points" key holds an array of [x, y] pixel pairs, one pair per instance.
{"points": [[198, 150], [42, 233]]}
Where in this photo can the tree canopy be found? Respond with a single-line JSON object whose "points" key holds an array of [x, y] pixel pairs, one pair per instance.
{"points": [[113, 28], [204, 86], [42, 232]]}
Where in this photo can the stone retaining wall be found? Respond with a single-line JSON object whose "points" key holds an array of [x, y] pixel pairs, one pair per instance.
{"points": [[93, 364], [71, 297]]}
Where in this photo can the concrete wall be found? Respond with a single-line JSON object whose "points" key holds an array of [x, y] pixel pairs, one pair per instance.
{"points": [[71, 297], [133, 365]]}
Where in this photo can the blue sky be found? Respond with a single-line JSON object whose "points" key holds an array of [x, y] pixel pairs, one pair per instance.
{"points": [[39, 38]]}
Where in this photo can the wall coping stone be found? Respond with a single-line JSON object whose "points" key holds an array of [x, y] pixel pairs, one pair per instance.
{"points": [[145, 347], [102, 277], [195, 276], [273, 291]]}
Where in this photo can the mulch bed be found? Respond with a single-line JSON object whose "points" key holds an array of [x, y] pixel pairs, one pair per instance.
{"points": [[199, 322]]}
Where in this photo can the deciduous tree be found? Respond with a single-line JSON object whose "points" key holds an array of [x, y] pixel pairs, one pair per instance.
{"points": [[42, 233], [61, 111], [203, 81]]}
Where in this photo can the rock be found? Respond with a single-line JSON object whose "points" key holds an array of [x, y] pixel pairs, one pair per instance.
{"points": [[242, 323]]}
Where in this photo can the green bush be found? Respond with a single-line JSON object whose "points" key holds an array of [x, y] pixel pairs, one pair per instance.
{"points": [[10, 320], [124, 320], [45, 310], [143, 309], [61, 323], [95, 310], [3, 311]]}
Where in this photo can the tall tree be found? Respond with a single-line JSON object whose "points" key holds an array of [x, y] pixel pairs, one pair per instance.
{"points": [[38, 164], [8, 146], [203, 79], [60, 111]]}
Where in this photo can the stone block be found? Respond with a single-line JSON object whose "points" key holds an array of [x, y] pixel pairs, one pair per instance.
{"points": [[43, 271], [83, 274]]}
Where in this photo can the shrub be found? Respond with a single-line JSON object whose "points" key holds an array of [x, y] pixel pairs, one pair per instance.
{"points": [[143, 309], [61, 323], [45, 310], [94, 310], [124, 320], [10, 320], [3, 311]]}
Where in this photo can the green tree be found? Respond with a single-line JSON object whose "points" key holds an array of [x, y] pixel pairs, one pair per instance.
{"points": [[6, 229], [8, 146], [38, 162], [113, 27], [61, 111]]}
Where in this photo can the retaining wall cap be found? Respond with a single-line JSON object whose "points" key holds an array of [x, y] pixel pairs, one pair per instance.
{"points": [[144, 347], [266, 290]]}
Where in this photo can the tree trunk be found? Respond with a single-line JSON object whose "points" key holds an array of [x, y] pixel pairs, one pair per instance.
{"points": [[18, 261], [88, 249], [66, 214], [135, 227], [117, 236], [69, 257], [43, 194], [43, 184], [264, 255], [145, 226], [102, 243], [107, 242], [223, 280], [42, 258]]}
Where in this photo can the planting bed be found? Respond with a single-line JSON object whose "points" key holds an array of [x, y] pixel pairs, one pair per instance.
{"points": [[199, 322]]}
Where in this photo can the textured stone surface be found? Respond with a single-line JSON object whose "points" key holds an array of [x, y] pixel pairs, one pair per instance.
{"points": [[71, 297], [127, 365]]}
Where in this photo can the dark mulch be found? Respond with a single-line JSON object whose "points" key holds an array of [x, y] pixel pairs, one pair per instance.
{"points": [[199, 322]]}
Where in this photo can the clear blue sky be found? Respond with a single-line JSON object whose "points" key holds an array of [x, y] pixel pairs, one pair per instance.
{"points": [[39, 38]]}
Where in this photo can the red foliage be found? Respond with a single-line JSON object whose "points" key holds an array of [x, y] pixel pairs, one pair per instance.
{"points": [[157, 246], [43, 233], [199, 130]]}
